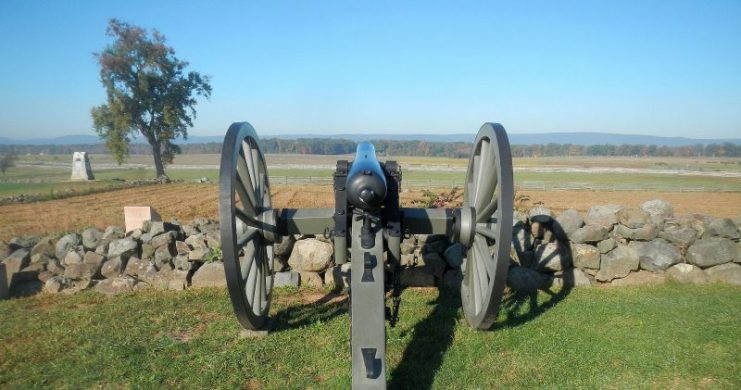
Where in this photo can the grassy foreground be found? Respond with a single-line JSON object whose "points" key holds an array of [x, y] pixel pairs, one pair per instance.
{"points": [[665, 336]]}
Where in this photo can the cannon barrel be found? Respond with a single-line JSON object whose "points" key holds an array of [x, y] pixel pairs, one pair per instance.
{"points": [[366, 181]]}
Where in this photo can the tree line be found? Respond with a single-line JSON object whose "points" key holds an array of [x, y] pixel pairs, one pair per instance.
{"points": [[329, 146]]}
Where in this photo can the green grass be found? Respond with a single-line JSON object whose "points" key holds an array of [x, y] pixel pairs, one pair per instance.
{"points": [[647, 337]]}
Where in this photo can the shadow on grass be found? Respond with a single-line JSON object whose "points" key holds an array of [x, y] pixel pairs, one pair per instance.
{"points": [[432, 338], [300, 315]]}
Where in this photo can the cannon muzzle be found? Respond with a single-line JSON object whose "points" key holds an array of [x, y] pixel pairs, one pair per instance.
{"points": [[366, 181]]}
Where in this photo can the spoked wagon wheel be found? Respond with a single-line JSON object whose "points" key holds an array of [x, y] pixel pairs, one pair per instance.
{"points": [[486, 217], [247, 223]]}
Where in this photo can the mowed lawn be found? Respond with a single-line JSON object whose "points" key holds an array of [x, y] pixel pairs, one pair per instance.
{"points": [[666, 336]]}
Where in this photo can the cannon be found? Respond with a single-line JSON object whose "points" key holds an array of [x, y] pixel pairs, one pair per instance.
{"points": [[367, 221]]}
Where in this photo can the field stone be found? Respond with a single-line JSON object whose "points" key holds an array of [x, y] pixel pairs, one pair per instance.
{"points": [[25, 242], [526, 279], [123, 248], [658, 210], [722, 227], [65, 244], [91, 238], [553, 256], [617, 263], [103, 247], [589, 234], [540, 214], [633, 218], [686, 274], [4, 250], [198, 254], [72, 257], [46, 246], [537, 230], [165, 239], [639, 278], [522, 239], [286, 279], [416, 277], [728, 273], [409, 260], [163, 256], [585, 256], [197, 241], [182, 248], [41, 258], [603, 215], [311, 255], [44, 276], [433, 263], [454, 255], [153, 227], [338, 277], [438, 246], [113, 233], [644, 233], [138, 267], [284, 247], [708, 252], [738, 253], [116, 285], [408, 245], [607, 245], [567, 223], [82, 271], [56, 284], [113, 267], [135, 234], [19, 259], [209, 275], [182, 263], [656, 255], [679, 235], [55, 267], [311, 279], [573, 277]]}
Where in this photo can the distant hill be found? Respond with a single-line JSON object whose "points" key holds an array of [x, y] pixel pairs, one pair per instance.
{"points": [[583, 138]]}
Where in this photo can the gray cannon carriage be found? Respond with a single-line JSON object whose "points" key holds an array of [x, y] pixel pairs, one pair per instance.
{"points": [[368, 221]]}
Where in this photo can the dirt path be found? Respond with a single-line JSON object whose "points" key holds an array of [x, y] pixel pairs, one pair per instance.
{"points": [[187, 201]]}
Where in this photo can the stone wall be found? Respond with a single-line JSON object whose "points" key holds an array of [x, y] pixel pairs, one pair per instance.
{"points": [[610, 245]]}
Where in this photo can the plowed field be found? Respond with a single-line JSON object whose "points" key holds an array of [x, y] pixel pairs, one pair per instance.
{"points": [[187, 201]]}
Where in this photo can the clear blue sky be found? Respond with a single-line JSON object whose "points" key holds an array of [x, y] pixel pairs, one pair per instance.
{"points": [[670, 68]]}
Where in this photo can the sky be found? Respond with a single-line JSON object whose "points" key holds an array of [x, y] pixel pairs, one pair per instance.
{"points": [[666, 68]]}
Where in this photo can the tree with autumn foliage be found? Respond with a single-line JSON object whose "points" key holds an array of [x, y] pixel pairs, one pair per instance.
{"points": [[148, 92]]}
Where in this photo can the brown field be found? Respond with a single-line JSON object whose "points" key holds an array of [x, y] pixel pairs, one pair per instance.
{"points": [[187, 201]]}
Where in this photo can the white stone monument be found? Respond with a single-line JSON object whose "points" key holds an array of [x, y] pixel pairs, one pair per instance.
{"points": [[81, 167]]}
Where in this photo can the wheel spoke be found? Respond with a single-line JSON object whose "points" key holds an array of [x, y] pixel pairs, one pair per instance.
{"points": [[478, 293], [260, 285], [471, 185], [487, 179], [246, 236], [245, 182], [486, 232], [249, 258], [486, 258], [485, 213], [479, 173], [247, 155], [259, 173]]}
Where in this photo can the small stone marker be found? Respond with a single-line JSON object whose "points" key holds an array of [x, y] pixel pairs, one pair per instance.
{"points": [[135, 216], [81, 167]]}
